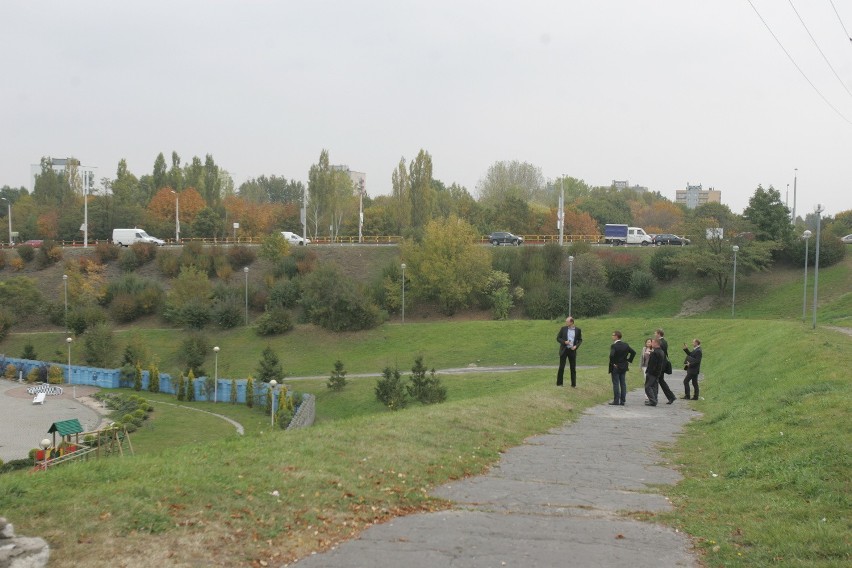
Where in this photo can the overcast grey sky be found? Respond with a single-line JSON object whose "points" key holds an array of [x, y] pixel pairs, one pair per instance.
{"points": [[661, 93]]}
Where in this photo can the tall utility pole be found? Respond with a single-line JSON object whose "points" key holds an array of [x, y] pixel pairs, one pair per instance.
{"points": [[561, 217], [361, 190], [795, 175]]}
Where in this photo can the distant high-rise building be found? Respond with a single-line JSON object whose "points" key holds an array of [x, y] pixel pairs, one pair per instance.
{"points": [[85, 174], [693, 196], [625, 184], [359, 179]]}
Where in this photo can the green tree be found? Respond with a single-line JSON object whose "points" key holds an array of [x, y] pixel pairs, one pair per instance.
{"points": [[153, 379], [338, 377], [180, 387], [137, 379], [320, 188], [233, 391], [448, 266], [99, 346], [250, 394], [768, 215], [390, 389], [160, 178], [401, 197], [420, 178], [269, 366], [425, 387], [521, 181], [190, 386], [336, 302]]}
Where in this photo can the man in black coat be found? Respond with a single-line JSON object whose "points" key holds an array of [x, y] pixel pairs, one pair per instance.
{"points": [[620, 357], [664, 346], [693, 367], [653, 372], [569, 339]]}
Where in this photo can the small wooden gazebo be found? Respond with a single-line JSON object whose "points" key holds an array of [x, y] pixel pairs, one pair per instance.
{"points": [[66, 429]]}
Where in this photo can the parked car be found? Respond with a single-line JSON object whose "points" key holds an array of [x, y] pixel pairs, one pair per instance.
{"points": [[504, 238], [35, 243], [295, 239], [670, 239], [847, 239]]}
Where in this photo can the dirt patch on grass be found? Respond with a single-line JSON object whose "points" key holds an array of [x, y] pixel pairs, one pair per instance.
{"points": [[695, 307]]}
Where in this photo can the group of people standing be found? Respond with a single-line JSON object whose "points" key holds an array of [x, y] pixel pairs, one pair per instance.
{"points": [[654, 362]]}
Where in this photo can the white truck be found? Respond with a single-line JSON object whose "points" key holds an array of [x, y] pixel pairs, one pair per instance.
{"points": [[126, 237], [624, 235], [295, 239]]}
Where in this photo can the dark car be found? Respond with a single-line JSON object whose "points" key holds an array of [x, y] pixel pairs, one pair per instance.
{"points": [[669, 239], [504, 238]]}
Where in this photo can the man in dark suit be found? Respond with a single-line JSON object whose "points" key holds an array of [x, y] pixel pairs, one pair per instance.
{"points": [[653, 372], [693, 367], [569, 339], [620, 356], [664, 346]]}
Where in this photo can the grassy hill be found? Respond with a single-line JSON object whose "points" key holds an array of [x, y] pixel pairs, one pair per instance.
{"points": [[765, 469]]}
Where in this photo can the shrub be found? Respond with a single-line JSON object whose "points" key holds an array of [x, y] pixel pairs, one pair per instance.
{"points": [[335, 302], [48, 254], [589, 270], [590, 302], [55, 375], [425, 388], [306, 260], [11, 372], [831, 251], [82, 318], [250, 394], [190, 386], [274, 246], [153, 379], [285, 293], [227, 313], [128, 260], [17, 264], [338, 377], [6, 321], [29, 352], [619, 266], [145, 252], [21, 297], [180, 388], [106, 252], [233, 391], [642, 284], [662, 263], [168, 263], [26, 252], [548, 301], [240, 256], [2, 259], [274, 321], [390, 389]]}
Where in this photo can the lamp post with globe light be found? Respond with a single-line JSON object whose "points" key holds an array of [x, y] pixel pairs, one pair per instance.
{"points": [[819, 210], [806, 235], [216, 374], [65, 284], [246, 271], [272, 384], [734, 296], [570, 283], [403, 292], [73, 386]]}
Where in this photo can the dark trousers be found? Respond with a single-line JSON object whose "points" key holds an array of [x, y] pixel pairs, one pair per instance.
{"points": [[651, 384], [619, 386], [665, 386], [571, 356], [694, 380]]}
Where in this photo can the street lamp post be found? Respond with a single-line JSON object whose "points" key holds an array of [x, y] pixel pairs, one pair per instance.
{"points": [[570, 283], [819, 210], [246, 270], [734, 296], [177, 217], [9, 205], [65, 283], [85, 209], [215, 374], [403, 292], [272, 384], [806, 235], [73, 386], [561, 209]]}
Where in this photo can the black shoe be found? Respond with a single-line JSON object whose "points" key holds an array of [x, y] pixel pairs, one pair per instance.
{"points": [[649, 403], [613, 403], [671, 401], [696, 398], [621, 403], [685, 397]]}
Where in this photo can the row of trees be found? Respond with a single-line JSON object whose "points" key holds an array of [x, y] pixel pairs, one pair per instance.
{"points": [[511, 195]]}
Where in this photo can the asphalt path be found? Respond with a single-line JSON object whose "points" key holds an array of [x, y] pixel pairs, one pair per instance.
{"points": [[563, 498]]}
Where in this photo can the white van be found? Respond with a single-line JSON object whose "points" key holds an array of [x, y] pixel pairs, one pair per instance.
{"points": [[126, 237], [294, 239]]}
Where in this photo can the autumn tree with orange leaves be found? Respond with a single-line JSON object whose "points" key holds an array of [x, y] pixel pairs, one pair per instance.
{"points": [[162, 205]]}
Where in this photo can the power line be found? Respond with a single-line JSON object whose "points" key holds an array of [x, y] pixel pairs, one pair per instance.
{"points": [[790, 57], [841, 22], [818, 48]]}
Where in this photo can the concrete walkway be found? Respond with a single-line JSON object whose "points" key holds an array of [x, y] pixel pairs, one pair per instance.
{"points": [[560, 499]]}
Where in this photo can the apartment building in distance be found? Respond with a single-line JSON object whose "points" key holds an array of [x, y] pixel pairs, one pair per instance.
{"points": [[693, 196]]}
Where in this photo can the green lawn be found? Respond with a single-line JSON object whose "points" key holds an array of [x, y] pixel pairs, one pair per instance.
{"points": [[766, 469]]}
